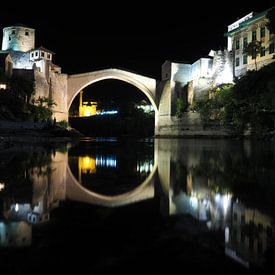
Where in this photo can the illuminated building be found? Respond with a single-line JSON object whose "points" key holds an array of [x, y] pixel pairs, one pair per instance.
{"points": [[20, 56], [86, 108], [251, 27]]}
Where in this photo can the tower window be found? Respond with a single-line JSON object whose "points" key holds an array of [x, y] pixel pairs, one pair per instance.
{"points": [[31, 54], [49, 56], [42, 54], [26, 33], [13, 32], [9, 38]]}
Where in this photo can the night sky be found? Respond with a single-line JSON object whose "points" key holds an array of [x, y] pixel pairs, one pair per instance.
{"points": [[133, 36]]}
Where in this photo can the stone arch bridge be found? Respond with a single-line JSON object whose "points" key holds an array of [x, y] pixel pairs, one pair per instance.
{"points": [[160, 93], [77, 82]]}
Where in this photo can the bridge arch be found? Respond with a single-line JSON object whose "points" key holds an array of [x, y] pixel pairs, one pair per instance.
{"points": [[77, 82]]}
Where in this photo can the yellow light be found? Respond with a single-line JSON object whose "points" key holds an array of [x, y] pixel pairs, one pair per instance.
{"points": [[87, 112], [87, 165]]}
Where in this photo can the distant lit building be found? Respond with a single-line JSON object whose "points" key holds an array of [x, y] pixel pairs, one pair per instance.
{"points": [[251, 27], [145, 106], [86, 108]]}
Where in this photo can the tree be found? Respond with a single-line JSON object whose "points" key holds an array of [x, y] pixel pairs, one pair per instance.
{"points": [[253, 49], [271, 20]]}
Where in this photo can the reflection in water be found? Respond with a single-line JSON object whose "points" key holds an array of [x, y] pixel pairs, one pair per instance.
{"points": [[15, 233], [226, 185], [106, 161], [115, 170], [208, 180]]}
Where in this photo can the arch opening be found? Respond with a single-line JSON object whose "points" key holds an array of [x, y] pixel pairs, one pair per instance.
{"points": [[112, 107]]}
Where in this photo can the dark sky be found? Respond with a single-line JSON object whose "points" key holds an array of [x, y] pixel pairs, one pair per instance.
{"points": [[131, 35]]}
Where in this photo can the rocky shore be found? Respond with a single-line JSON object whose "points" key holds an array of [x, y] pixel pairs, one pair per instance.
{"points": [[35, 132]]}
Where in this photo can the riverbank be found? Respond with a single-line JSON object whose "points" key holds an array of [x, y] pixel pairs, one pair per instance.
{"points": [[35, 132]]}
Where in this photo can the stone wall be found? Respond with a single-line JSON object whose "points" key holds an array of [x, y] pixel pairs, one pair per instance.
{"points": [[189, 125], [41, 85], [58, 93]]}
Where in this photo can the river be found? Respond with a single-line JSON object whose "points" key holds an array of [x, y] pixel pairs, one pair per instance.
{"points": [[104, 205]]}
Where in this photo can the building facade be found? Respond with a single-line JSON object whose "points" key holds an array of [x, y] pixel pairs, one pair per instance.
{"points": [[250, 28]]}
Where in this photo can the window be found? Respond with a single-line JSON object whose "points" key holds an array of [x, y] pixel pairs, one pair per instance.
{"points": [[262, 52], [9, 38], [42, 54], [238, 44], [49, 56], [237, 61], [3, 86], [13, 32], [26, 33], [271, 48], [262, 32], [254, 35], [244, 59], [32, 54], [245, 42], [36, 53]]}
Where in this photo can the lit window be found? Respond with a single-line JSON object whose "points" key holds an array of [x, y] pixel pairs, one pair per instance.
{"points": [[254, 35], [262, 52], [262, 32], [237, 62], [245, 42], [2, 186], [271, 48], [238, 44], [244, 59], [3, 86]]}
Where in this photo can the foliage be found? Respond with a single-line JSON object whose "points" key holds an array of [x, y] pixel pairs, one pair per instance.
{"points": [[181, 106], [22, 87], [42, 101], [253, 49], [271, 20], [215, 107], [63, 124], [250, 104], [15, 102], [39, 113]]}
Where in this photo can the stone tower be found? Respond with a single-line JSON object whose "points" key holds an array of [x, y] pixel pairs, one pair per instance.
{"points": [[18, 38]]}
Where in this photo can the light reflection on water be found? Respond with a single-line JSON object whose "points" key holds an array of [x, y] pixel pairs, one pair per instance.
{"points": [[225, 185]]}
